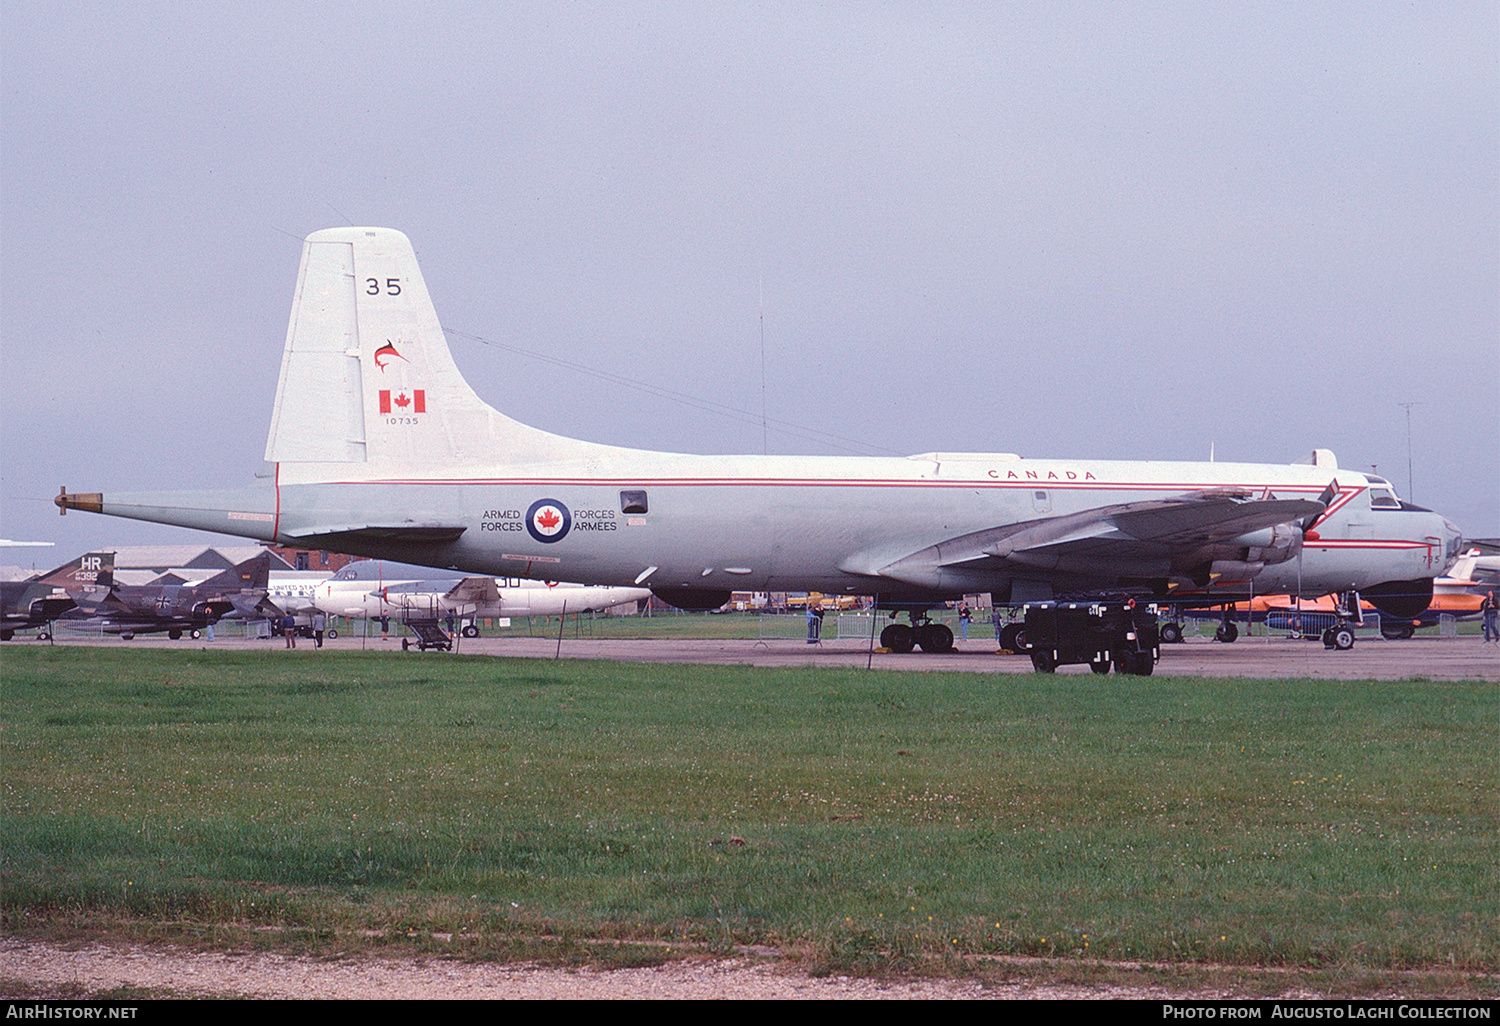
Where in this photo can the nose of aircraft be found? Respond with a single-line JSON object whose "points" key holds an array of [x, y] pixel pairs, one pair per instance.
{"points": [[1453, 542]]}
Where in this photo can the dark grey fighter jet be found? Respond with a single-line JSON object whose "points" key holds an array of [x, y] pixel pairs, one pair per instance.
{"points": [[128, 610], [42, 598]]}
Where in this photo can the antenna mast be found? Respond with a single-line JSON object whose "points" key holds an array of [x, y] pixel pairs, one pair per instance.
{"points": [[1410, 495], [765, 431]]}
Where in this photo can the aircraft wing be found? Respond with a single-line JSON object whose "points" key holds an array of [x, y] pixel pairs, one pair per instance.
{"points": [[105, 602], [474, 591], [1134, 539]]}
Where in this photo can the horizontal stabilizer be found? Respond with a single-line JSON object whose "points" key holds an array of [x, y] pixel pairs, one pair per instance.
{"points": [[255, 607]]}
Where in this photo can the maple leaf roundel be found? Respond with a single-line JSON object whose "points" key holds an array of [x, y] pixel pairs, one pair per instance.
{"points": [[548, 520]]}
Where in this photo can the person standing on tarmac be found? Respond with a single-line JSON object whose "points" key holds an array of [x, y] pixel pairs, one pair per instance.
{"points": [[814, 622]]}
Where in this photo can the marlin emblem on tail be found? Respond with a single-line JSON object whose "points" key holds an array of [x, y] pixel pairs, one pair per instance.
{"points": [[385, 353]]}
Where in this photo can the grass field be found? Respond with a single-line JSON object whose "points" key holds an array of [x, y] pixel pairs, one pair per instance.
{"points": [[873, 822]]}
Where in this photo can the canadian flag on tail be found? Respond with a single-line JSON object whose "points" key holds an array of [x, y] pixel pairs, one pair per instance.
{"points": [[403, 403]]}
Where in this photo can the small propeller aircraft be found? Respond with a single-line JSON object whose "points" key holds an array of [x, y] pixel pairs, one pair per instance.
{"points": [[374, 587]]}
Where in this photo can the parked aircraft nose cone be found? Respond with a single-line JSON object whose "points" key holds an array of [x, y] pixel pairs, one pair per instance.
{"points": [[1453, 542]]}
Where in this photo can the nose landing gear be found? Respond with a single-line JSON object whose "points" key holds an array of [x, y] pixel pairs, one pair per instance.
{"points": [[1340, 637]]}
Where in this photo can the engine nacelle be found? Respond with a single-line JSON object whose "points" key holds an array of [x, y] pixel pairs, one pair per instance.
{"points": [[1284, 543], [1268, 546], [1225, 571]]}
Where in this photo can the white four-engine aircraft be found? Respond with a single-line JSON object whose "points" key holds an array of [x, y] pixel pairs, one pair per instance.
{"points": [[376, 587], [379, 447]]}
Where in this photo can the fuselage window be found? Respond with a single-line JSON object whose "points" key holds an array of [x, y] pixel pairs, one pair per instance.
{"points": [[633, 502]]}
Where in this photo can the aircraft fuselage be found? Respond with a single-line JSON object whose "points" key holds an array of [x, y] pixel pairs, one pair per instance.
{"points": [[809, 524]]}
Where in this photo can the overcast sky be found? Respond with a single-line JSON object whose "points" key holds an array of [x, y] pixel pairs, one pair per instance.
{"points": [[1072, 230]]}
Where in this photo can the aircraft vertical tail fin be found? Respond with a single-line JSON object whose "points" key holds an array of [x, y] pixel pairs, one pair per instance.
{"points": [[1462, 568], [253, 574], [368, 387], [93, 569]]}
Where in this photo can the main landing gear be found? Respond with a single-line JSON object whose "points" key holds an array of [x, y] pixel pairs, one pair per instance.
{"points": [[1013, 637], [923, 633]]}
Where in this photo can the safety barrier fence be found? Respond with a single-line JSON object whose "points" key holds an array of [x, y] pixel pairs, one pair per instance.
{"points": [[789, 626]]}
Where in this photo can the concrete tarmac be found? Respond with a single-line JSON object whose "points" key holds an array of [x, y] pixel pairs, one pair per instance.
{"points": [[1438, 659]]}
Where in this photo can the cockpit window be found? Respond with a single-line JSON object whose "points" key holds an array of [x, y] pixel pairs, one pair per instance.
{"points": [[1383, 498]]}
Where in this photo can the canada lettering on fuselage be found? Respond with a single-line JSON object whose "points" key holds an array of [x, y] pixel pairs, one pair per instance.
{"points": [[1036, 475]]}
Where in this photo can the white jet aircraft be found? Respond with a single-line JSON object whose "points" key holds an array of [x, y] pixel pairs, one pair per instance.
{"points": [[379, 447], [374, 587], [292, 591]]}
